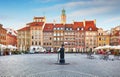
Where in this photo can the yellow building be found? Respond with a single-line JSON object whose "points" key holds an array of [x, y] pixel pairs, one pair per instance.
{"points": [[23, 39], [32, 34], [103, 37], [36, 31]]}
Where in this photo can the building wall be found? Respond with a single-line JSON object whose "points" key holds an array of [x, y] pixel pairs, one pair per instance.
{"points": [[23, 39], [3, 34], [36, 36], [103, 37], [11, 40], [80, 41], [115, 36], [90, 40], [48, 40], [58, 37], [69, 39]]}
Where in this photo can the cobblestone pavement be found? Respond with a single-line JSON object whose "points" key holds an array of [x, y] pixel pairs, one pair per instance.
{"points": [[43, 65]]}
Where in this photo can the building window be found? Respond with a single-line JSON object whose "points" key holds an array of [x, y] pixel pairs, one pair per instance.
{"points": [[70, 28], [58, 28], [66, 28], [78, 28], [54, 34], [39, 43], [99, 39], [36, 43], [54, 38], [81, 28], [58, 34], [90, 29], [50, 38], [32, 37], [58, 38], [61, 34], [32, 43]]}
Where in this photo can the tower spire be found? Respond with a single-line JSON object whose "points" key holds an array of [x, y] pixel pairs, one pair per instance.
{"points": [[63, 16]]}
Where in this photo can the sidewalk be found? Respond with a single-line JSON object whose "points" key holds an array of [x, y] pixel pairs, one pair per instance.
{"points": [[43, 65]]}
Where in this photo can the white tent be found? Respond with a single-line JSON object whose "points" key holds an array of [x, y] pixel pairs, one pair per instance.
{"points": [[107, 47], [117, 47], [2, 46], [11, 47], [97, 48]]}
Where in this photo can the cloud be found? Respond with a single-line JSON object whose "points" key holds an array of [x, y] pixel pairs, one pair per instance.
{"points": [[78, 5], [90, 11], [112, 20], [77, 8]]}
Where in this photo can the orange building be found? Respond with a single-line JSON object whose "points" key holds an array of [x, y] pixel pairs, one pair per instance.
{"points": [[11, 40], [90, 35], [79, 36], [3, 33], [48, 37]]}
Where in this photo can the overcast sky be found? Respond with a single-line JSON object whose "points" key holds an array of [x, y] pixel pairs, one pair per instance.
{"points": [[16, 13]]}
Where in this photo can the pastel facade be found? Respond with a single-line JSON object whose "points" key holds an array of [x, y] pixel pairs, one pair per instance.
{"points": [[79, 36], [48, 37], [11, 40], [115, 36], [3, 33], [90, 35], [23, 39], [69, 38], [103, 37], [58, 36]]}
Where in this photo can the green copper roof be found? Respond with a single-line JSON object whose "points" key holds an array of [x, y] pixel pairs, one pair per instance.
{"points": [[63, 12]]}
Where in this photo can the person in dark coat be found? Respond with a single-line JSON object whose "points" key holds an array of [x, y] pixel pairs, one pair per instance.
{"points": [[62, 60]]}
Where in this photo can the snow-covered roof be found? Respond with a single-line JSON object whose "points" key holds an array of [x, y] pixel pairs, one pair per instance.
{"points": [[11, 31]]}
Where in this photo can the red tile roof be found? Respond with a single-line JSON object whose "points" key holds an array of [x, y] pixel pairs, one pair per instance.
{"points": [[36, 24], [90, 24], [48, 27], [78, 25], [10, 35], [58, 26], [68, 25], [39, 17], [24, 29]]}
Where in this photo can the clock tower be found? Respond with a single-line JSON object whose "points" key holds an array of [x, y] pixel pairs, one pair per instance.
{"points": [[63, 17]]}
